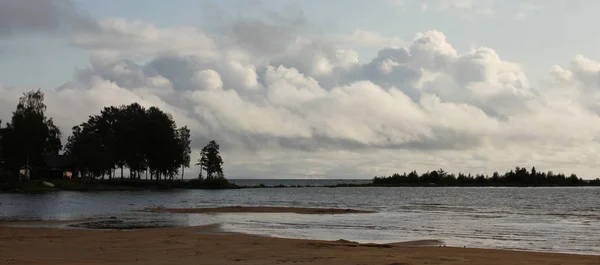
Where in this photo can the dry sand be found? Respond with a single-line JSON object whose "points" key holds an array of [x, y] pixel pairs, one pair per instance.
{"points": [[240, 209], [183, 246]]}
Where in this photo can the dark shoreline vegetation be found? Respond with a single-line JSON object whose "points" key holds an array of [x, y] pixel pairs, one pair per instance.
{"points": [[148, 143], [519, 177]]}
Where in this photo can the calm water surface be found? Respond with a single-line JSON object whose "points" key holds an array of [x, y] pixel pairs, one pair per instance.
{"points": [[541, 219]]}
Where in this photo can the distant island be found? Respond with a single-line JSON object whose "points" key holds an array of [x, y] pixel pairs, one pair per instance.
{"points": [[155, 151], [518, 177]]}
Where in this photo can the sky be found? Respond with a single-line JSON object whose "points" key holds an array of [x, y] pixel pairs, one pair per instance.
{"points": [[326, 89]]}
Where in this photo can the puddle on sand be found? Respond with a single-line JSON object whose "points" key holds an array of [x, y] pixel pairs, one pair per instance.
{"points": [[111, 223], [122, 224]]}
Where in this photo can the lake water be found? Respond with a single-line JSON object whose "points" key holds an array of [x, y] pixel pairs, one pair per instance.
{"points": [[540, 219], [299, 182]]}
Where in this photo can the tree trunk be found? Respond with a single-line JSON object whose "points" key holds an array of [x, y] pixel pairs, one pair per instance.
{"points": [[182, 171]]}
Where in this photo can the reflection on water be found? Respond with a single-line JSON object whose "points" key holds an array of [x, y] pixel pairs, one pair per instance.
{"points": [[543, 219]]}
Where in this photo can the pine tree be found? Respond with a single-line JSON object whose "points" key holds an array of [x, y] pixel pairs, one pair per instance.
{"points": [[211, 161]]}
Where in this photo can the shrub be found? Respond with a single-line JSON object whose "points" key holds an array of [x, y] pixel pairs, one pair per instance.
{"points": [[8, 180]]}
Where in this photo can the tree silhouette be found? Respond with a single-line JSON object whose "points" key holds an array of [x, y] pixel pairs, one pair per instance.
{"points": [[211, 161], [30, 135], [162, 144], [133, 119], [183, 137], [1, 135], [111, 129]]}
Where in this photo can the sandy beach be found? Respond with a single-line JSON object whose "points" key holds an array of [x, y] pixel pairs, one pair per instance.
{"points": [[242, 209], [189, 245]]}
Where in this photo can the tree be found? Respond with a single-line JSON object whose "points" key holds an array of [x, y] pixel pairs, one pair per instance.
{"points": [[162, 147], [211, 161], [573, 179], [86, 143], [111, 127], [1, 134], [183, 139], [202, 161], [131, 134], [30, 135]]}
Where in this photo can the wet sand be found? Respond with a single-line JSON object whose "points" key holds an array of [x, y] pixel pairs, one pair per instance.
{"points": [[49, 223], [181, 246], [241, 209]]}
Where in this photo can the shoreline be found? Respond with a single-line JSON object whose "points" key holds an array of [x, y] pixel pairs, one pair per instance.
{"points": [[191, 245], [258, 209], [36, 186]]}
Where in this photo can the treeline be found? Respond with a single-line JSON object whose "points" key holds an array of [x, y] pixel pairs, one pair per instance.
{"points": [[145, 141], [520, 176]]}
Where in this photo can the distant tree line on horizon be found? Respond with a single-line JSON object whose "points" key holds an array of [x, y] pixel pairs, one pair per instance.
{"points": [[146, 141], [520, 176]]}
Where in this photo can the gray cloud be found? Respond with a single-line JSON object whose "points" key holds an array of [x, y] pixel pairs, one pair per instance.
{"points": [[18, 16], [272, 34]]}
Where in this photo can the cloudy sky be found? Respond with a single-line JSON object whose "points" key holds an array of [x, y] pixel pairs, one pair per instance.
{"points": [[326, 89]]}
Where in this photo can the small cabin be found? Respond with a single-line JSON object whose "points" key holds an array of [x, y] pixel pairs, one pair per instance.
{"points": [[59, 167]]}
